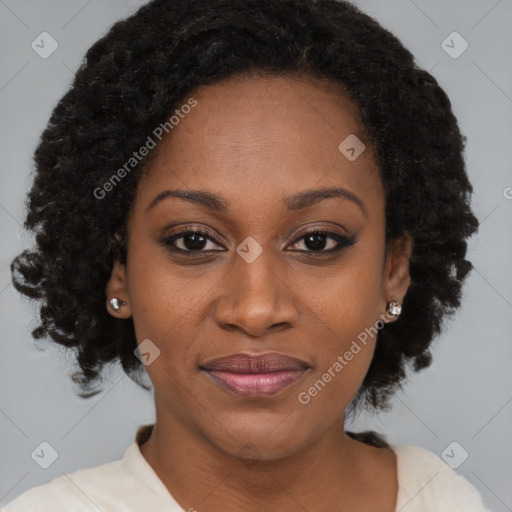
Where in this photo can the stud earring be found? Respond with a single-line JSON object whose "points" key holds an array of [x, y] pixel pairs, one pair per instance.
{"points": [[394, 308], [116, 304]]}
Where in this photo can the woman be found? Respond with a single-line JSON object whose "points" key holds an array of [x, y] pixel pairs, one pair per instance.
{"points": [[266, 207]]}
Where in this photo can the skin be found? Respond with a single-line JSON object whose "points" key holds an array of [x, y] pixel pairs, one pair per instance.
{"points": [[254, 140]]}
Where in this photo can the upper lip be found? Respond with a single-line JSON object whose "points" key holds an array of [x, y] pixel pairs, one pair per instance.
{"points": [[262, 363]]}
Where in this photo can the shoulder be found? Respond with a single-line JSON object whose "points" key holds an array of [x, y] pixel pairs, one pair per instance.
{"points": [[426, 483], [102, 487]]}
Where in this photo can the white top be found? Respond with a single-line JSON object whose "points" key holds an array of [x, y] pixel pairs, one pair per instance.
{"points": [[426, 484]]}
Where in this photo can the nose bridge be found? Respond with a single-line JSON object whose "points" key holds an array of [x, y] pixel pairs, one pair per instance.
{"points": [[255, 297], [258, 277]]}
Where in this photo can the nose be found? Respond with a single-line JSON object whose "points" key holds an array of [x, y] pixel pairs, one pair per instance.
{"points": [[256, 298]]}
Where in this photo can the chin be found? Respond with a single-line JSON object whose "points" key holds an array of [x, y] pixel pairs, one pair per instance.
{"points": [[259, 441]]}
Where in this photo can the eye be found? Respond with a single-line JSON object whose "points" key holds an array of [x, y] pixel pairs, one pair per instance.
{"points": [[191, 240], [195, 240], [317, 241]]}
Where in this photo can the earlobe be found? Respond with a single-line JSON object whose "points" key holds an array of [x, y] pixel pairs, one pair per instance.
{"points": [[397, 277], [116, 292]]}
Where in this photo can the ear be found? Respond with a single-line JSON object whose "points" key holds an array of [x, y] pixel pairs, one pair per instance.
{"points": [[117, 287], [396, 277]]}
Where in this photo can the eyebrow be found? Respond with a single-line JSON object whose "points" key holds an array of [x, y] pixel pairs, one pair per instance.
{"points": [[294, 202]]}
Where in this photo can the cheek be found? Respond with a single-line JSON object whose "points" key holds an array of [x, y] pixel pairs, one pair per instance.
{"points": [[343, 308], [341, 364], [344, 300], [165, 308], [159, 294]]}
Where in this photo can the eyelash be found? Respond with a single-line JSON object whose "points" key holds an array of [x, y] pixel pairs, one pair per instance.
{"points": [[342, 241]]}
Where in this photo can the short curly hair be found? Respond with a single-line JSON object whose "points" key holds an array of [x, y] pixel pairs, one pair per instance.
{"points": [[134, 77]]}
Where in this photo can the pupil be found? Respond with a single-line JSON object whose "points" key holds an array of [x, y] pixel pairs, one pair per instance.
{"points": [[197, 239], [318, 241]]}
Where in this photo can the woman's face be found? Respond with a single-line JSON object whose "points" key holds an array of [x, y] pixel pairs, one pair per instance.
{"points": [[257, 282]]}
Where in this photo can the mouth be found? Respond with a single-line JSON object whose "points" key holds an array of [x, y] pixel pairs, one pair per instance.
{"points": [[255, 376]]}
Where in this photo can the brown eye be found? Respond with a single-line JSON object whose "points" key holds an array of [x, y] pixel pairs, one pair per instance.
{"points": [[317, 241], [191, 240], [200, 242]]}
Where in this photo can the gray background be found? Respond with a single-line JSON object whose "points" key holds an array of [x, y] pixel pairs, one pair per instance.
{"points": [[465, 396]]}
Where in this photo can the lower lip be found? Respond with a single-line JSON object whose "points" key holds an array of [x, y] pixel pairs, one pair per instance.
{"points": [[256, 384]]}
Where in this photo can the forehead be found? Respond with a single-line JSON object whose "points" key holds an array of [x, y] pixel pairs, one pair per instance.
{"points": [[266, 134]]}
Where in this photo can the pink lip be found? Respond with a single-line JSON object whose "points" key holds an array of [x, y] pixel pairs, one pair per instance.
{"points": [[255, 375], [256, 384]]}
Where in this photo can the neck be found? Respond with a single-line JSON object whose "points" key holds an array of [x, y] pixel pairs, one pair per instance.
{"points": [[326, 474]]}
